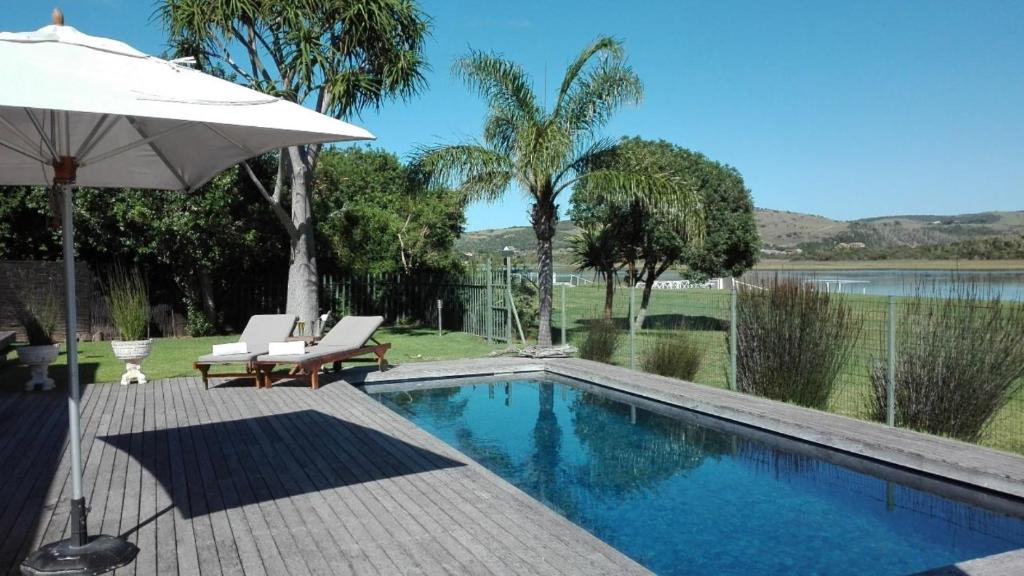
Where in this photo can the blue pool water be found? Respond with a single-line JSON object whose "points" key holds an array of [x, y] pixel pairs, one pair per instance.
{"points": [[683, 495]]}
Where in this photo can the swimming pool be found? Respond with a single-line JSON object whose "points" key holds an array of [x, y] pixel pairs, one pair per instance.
{"points": [[683, 493]]}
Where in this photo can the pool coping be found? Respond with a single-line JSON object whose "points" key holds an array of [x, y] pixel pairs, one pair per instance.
{"points": [[991, 470]]}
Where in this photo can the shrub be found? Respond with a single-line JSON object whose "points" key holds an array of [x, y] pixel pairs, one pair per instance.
{"points": [[128, 301], [38, 313], [792, 341], [959, 360], [524, 295], [675, 356], [599, 341], [196, 322]]}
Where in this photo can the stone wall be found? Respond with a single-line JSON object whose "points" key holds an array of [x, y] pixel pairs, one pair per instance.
{"points": [[21, 279]]}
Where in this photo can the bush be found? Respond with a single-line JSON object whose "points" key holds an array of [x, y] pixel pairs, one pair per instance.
{"points": [[599, 342], [128, 301], [792, 341], [675, 356], [196, 322], [524, 295], [959, 360]]}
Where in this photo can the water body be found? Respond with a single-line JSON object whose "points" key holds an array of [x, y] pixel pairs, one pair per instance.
{"points": [[687, 494], [1007, 284]]}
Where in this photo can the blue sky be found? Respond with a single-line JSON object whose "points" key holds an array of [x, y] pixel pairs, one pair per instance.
{"points": [[845, 109]]}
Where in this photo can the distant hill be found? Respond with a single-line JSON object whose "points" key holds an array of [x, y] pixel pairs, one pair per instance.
{"points": [[521, 238], [788, 230]]}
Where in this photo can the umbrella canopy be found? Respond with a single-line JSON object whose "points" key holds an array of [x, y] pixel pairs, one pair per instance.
{"points": [[133, 120], [87, 111]]}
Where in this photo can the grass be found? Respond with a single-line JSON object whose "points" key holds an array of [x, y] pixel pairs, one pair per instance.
{"points": [[173, 357]]}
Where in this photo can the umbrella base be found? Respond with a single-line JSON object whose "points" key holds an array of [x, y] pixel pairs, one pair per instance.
{"points": [[101, 554]]}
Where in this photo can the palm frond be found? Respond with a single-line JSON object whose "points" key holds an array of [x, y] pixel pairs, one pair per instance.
{"points": [[658, 192], [504, 84], [477, 172], [605, 45], [598, 94]]}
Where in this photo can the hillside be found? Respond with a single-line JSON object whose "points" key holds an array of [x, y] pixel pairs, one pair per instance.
{"points": [[783, 230]]}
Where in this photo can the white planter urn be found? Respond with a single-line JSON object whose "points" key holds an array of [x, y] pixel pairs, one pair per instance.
{"points": [[38, 360], [132, 353]]}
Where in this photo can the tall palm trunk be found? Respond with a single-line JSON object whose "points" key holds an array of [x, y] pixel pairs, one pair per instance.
{"points": [[303, 285], [544, 220]]}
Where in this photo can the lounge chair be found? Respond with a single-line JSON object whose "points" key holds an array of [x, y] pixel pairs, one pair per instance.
{"points": [[347, 340], [259, 332]]}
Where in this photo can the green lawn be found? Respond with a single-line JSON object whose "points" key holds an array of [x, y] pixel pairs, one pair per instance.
{"points": [[174, 356]]}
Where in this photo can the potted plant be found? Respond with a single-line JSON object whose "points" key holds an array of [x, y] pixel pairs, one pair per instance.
{"points": [[128, 302], [38, 314]]}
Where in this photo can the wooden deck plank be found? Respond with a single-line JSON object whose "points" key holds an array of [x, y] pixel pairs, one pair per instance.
{"points": [[58, 498], [26, 496], [469, 559], [47, 506], [257, 470], [293, 481], [238, 486]]}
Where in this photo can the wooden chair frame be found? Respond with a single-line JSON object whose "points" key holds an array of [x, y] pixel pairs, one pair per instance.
{"points": [[310, 369], [251, 371]]}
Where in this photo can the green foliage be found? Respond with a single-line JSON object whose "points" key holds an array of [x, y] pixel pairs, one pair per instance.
{"points": [[673, 355], [38, 313], [196, 322], [600, 340], [597, 247], [524, 294], [545, 152], [959, 360], [792, 342], [25, 232], [378, 218], [342, 56], [988, 248], [128, 302]]}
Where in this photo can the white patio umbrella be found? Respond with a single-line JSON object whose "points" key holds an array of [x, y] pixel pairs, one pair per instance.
{"points": [[77, 110]]}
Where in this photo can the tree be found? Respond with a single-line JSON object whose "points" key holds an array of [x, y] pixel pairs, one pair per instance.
{"points": [[597, 248], [547, 152], [651, 242], [337, 56], [376, 216]]}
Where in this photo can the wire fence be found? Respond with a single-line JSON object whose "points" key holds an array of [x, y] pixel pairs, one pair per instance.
{"points": [[890, 341], [882, 329]]}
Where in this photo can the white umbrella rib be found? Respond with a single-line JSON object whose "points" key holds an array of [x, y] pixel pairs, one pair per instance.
{"points": [[151, 142], [144, 140], [95, 136], [29, 144]]}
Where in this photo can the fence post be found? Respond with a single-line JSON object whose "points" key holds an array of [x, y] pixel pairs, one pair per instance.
{"points": [[890, 374], [733, 297], [632, 327], [563, 315], [489, 319], [508, 305]]}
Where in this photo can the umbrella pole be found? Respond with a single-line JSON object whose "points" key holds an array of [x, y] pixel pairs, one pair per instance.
{"points": [[79, 530], [79, 554]]}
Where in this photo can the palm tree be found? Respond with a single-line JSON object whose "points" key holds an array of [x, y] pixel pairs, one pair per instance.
{"points": [[597, 248], [546, 152]]}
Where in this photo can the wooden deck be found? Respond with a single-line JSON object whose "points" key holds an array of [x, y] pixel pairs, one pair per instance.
{"points": [[236, 480]]}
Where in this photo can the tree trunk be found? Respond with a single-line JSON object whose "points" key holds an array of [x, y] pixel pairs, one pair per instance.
{"points": [[609, 294], [648, 275], [206, 296], [544, 222], [303, 284]]}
